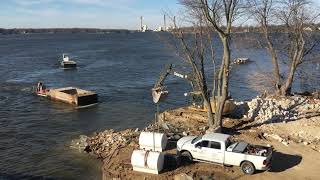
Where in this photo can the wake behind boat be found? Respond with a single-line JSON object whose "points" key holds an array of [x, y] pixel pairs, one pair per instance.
{"points": [[66, 63]]}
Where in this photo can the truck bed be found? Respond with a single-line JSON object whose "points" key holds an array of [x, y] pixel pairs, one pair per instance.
{"points": [[258, 150], [245, 148]]}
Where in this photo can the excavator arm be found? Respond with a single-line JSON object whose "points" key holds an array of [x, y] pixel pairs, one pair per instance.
{"points": [[163, 76], [159, 91]]}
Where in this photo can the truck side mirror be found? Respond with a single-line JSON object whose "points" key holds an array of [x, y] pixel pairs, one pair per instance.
{"points": [[199, 147]]}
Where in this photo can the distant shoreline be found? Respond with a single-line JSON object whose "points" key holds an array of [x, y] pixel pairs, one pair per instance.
{"points": [[60, 30], [235, 30]]}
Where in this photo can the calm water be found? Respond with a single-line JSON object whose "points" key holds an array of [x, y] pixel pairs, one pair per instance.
{"points": [[35, 133]]}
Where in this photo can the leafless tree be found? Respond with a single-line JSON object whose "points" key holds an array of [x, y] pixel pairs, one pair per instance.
{"points": [[295, 16], [194, 45], [218, 16]]}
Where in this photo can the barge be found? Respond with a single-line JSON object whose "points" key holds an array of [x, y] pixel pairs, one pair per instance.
{"points": [[71, 95]]}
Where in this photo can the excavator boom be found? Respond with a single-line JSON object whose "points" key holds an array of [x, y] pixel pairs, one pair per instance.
{"points": [[159, 91]]}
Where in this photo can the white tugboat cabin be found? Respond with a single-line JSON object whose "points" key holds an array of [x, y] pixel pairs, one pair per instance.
{"points": [[67, 63]]}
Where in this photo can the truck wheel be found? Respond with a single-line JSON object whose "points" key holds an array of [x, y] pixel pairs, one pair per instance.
{"points": [[247, 168], [186, 156]]}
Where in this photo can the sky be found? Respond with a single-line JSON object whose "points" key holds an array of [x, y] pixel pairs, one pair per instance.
{"points": [[108, 14]]}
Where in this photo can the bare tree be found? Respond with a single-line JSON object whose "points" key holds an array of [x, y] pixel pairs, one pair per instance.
{"points": [[218, 16], [295, 16], [195, 46]]}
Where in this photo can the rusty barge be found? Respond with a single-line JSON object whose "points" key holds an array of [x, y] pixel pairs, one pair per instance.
{"points": [[71, 95]]}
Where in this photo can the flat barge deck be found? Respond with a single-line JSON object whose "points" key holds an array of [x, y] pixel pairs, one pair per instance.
{"points": [[73, 96]]}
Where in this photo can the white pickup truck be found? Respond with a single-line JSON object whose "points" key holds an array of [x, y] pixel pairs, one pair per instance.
{"points": [[218, 148]]}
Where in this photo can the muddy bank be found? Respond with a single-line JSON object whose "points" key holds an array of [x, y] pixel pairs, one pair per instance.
{"points": [[289, 124]]}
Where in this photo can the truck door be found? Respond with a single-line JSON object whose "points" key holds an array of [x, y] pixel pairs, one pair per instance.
{"points": [[199, 152], [214, 152]]}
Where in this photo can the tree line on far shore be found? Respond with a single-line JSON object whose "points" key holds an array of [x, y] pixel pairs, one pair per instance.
{"points": [[59, 30], [234, 29], [255, 29]]}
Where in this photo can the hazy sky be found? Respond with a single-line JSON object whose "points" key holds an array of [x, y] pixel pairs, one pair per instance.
{"points": [[83, 13], [110, 14]]}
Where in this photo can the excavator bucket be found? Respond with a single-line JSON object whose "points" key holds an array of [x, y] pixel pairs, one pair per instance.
{"points": [[159, 93]]}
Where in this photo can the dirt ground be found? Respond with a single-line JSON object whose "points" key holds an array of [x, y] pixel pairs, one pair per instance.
{"points": [[298, 158]]}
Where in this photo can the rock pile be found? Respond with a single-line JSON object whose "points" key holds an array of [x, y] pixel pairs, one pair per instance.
{"points": [[306, 136], [104, 143], [270, 109], [174, 131], [296, 137], [284, 141], [80, 143]]}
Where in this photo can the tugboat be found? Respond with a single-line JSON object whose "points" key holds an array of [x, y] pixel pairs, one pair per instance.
{"points": [[66, 63], [41, 90], [241, 61]]}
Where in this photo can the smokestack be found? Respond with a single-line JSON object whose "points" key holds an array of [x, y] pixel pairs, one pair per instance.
{"points": [[141, 18], [165, 24], [174, 22]]}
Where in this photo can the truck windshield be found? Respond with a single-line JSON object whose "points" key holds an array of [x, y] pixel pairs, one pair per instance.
{"points": [[196, 139], [228, 143]]}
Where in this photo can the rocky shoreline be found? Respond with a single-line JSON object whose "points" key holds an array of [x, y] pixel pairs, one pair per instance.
{"points": [[260, 116], [272, 110]]}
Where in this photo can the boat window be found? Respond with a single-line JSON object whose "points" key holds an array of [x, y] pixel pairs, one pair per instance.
{"points": [[196, 139], [215, 145]]}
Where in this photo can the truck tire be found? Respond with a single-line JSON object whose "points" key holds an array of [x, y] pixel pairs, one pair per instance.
{"points": [[186, 156], [247, 168]]}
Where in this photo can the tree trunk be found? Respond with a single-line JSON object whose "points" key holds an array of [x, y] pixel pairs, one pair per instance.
{"points": [[224, 79], [287, 86], [274, 59], [207, 104], [206, 97], [296, 59]]}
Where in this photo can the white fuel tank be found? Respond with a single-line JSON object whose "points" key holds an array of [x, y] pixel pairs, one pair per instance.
{"points": [[152, 141], [147, 161]]}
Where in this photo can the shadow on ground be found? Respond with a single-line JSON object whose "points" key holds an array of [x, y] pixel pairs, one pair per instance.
{"points": [[171, 162], [282, 162]]}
